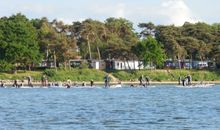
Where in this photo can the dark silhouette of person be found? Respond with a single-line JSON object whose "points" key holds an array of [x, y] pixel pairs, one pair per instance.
{"points": [[147, 81], [91, 83], [179, 80], [107, 80], [15, 83], [29, 81], [141, 78]]}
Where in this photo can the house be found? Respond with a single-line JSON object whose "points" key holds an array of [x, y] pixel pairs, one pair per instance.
{"points": [[46, 64], [95, 64], [188, 64], [76, 63], [110, 64], [204, 64], [126, 65]]}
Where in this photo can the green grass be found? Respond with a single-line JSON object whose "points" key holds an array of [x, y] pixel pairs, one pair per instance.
{"points": [[164, 75], [97, 75], [78, 75], [21, 75]]}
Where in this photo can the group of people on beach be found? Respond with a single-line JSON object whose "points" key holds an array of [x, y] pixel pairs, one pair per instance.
{"points": [[18, 85], [144, 81], [185, 81]]}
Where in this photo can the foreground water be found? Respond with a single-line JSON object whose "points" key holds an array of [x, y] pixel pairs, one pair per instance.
{"points": [[162, 107]]}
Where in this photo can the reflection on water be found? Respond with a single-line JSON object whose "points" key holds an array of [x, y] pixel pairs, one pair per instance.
{"points": [[162, 107]]}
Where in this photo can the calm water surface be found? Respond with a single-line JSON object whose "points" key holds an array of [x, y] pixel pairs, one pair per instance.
{"points": [[162, 107]]}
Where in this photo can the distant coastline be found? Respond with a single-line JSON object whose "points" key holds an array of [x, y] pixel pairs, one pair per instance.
{"points": [[79, 83]]}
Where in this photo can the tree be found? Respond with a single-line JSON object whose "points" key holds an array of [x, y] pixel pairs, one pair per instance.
{"points": [[150, 51], [19, 41], [148, 29], [169, 36], [55, 40], [94, 33], [120, 39]]}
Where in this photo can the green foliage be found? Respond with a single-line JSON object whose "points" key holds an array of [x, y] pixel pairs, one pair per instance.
{"points": [[84, 65], [5, 66], [25, 42], [18, 41], [21, 75], [50, 72], [124, 75], [78, 75], [97, 75], [150, 51], [163, 75]]}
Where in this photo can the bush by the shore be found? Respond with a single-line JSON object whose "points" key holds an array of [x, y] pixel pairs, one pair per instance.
{"points": [[59, 75], [97, 75], [168, 75]]}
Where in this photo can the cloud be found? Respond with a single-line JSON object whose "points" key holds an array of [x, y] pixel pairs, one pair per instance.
{"points": [[120, 10], [108, 10], [167, 12], [177, 12], [162, 12], [38, 8]]}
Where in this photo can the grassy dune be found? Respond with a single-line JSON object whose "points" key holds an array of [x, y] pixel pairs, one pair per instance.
{"points": [[170, 75], [97, 75], [60, 75]]}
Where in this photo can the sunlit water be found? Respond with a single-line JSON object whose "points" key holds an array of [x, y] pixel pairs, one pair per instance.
{"points": [[162, 107]]}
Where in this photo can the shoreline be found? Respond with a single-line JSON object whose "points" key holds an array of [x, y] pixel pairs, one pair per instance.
{"points": [[38, 83]]}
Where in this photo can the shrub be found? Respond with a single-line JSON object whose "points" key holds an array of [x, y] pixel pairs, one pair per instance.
{"points": [[5, 66], [50, 72]]}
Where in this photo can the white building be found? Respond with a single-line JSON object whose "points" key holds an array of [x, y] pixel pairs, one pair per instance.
{"points": [[126, 65]]}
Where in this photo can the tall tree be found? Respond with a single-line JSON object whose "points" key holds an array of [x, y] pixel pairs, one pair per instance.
{"points": [[120, 39], [150, 51], [19, 41], [148, 29]]}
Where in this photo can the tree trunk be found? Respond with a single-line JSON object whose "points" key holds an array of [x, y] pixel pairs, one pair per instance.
{"points": [[90, 55], [47, 57], [98, 52], [191, 63], [65, 65], [179, 62], [29, 67], [55, 60]]}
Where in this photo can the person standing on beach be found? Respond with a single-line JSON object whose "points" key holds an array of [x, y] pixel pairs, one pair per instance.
{"points": [[179, 80], [91, 83], [147, 80], [83, 83], [29, 81], [1, 84], [141, 79], [189, 77], [144, 83], [68, 84], [43, 80], [15, 83], [107, 80]]}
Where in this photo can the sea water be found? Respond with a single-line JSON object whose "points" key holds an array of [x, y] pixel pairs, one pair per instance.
{"points": [[159, 108]]}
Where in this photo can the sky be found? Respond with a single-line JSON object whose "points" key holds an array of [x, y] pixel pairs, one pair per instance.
{"points": [[159, 12]]}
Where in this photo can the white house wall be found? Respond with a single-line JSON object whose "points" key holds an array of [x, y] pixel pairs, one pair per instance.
{"points": [[125, 65]]}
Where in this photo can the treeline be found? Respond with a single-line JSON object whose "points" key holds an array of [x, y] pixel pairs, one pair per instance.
{"points": [[25, 42]]}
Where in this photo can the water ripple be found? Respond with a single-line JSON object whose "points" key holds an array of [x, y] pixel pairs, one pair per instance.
{"points": [[163, 107]]}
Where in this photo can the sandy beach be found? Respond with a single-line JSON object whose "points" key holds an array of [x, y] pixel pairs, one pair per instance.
{"points": [[38, 83]]}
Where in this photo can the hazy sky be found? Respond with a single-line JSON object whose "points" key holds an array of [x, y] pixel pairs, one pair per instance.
{"points": [[157, 11]]}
